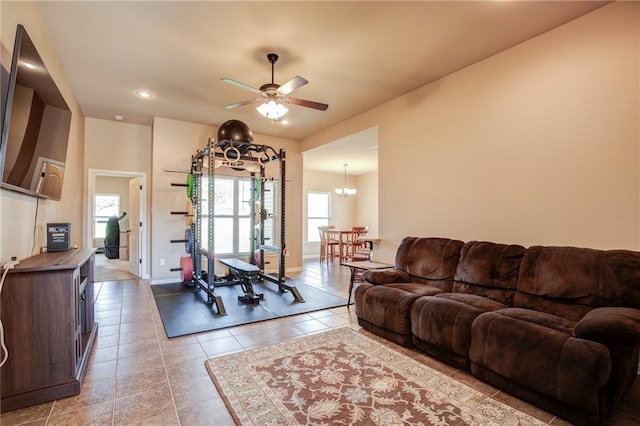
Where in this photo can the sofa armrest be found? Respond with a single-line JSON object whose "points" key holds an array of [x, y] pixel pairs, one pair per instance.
{"points": [[619, 326], [385, 276]]}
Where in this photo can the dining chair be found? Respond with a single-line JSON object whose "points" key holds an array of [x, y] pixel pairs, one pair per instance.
{"points": [[355, 244], [328, 245]]}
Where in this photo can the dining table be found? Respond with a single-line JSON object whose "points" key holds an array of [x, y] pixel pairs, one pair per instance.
{"points": [[343, 236]]}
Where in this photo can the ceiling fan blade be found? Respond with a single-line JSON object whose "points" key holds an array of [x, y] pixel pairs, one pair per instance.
{"points": [[306, 103], [291, 85], [240, 85], [243, 103]]}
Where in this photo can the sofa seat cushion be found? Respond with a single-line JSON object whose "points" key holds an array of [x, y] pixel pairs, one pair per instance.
{"points": [[387, 308], [611, 326], [443, 323], [483, 303], [541, 318], [538, 352], [416, 288]]}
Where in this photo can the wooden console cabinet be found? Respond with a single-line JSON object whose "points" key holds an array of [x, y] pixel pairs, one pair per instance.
{"points": [[47, 310]]}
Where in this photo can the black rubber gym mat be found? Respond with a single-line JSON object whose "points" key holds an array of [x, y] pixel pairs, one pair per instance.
{"points": [[184, 311]]}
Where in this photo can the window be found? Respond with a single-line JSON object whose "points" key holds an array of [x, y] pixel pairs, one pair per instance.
{"points": [[105, 206], [271, 226], [318, 208], [232, 215]]}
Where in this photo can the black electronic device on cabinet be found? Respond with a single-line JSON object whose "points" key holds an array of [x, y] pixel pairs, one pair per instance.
{"points": [[58, 236]]}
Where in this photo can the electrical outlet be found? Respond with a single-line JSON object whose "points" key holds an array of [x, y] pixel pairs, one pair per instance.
{"points": [[162, 262]]}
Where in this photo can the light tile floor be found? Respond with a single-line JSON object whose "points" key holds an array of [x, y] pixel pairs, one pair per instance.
{"points": [[138, 376]]}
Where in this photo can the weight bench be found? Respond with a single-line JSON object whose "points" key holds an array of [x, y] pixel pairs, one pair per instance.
{"points": [[246, 273]]}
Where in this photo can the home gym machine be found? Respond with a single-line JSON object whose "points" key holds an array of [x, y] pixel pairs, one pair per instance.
{"points": [[235, 150]]}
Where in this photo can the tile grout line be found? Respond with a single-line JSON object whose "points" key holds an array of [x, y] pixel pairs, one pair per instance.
{"points": [[53, 404], [115, 384], [164, 364], [50, 413]]}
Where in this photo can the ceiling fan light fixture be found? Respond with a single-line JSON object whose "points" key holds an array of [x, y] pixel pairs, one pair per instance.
{"points": [[144, 94], [272, 110]]}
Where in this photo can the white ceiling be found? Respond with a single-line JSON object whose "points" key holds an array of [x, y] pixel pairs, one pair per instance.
{"points": [[355, 54]]}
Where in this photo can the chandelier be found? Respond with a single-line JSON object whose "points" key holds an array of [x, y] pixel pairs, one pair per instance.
{"points": [[345, 191]]}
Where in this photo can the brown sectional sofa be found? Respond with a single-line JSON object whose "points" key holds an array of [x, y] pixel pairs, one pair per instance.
{"points": [[556, 326]]}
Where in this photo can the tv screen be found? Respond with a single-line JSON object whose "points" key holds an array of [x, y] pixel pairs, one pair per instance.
{"points": [[35, 125]]}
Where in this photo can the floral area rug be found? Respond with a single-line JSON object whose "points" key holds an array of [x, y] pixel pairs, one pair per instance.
{"points": [[343, 377]]}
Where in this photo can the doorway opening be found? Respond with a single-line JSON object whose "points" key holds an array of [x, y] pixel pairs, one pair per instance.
{"points": [[112, 193], [324, 172]]}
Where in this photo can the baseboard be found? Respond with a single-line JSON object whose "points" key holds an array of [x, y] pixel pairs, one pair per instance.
{"points": [[164, 281], [287, 270]]}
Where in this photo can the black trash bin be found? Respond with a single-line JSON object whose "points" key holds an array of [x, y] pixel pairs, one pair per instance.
{"points": [[112, 237]]}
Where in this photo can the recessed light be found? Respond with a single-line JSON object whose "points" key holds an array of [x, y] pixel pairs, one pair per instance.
{"points": [[144, 94], [118, 117]]}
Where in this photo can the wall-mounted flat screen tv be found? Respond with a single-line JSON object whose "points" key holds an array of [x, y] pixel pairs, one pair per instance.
{"points": [[35, 125]]}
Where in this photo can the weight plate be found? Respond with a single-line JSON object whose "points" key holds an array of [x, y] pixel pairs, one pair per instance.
{"points": [[186, 273], [189, 216], [190, 183], [188, 236]]}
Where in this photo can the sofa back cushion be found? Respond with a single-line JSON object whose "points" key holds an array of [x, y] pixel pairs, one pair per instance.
{"points": [[489, 269], [429, 260], [570, 281]]}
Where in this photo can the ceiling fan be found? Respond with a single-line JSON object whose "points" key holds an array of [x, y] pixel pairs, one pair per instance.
{"points": [[275, 95]]}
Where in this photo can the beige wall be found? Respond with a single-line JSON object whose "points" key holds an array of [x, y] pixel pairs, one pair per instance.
{"points": [[367, 202], [112, 145], [18, 212], [173, 144], [638, 121], [536, 145]]}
